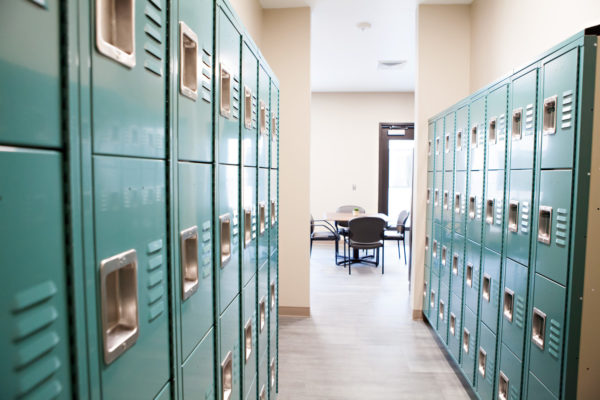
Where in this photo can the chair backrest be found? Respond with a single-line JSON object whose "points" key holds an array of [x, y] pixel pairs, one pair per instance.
{"points": [[402, 218], [312, 224], [366, 229], [348, 209]]}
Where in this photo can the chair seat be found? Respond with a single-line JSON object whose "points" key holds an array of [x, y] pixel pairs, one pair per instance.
{"points": [[361, 245], [323, 236], [393, 235]]}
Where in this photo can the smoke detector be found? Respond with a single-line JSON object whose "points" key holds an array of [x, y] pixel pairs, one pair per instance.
{"points": [[363, 26], [390, 64]]}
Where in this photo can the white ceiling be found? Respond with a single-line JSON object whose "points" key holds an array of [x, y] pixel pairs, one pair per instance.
{"points": [[345, 59]]}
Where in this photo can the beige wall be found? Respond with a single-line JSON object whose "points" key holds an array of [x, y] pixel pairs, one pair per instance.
{"points": [[509, 33], [345, 126], [443, 52], [251, 13]]}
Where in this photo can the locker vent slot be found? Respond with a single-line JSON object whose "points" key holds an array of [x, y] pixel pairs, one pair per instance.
{"points": [[458, 144], [469, 275], [189, 261], [225, 222], [273, 213], [446, 200], [247, 107], [513, 216], [465, 340], [545, 224], [517, 124], [436, 197], [444, 251], [482, 361], [452, 324], [472, 207], [447, 143], [554, 339], [247, 227], [262, 216], [489, 212], [429, 148], [248, 340], [538, 329], [272, 372], [428, 195], [235, 103], [115, 30], [188, 67], [492, 137], [457, 203], [272, 292], [432, 299], [509, 299], [437, 146], [435, 246], [263, 393], [227, 377], [503, 387], [529, 121], [474, 134], [524, 211], [550, 115], [455, 264], [262, 308], [567, 109], [487, 286], [426, 242], [441, 310], [225, 103], [118, 277], [562, 221], [206, 75], [262, 118]]}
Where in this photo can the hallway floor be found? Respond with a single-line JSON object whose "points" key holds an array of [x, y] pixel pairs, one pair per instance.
{"points": [[361, 341]]}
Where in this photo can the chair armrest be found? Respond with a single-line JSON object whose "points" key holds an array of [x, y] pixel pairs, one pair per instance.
{"points": [[327, 227]]}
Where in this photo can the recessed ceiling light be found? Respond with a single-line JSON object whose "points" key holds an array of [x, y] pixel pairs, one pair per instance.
{"points": [[363, 26], [390, 64]]}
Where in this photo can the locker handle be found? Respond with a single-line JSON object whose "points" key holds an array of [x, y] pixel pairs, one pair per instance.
{"points": [[457, 203], [247, 227], [447, 143], [441, 310], [226, 248], [429, 147], [452, 324], [189, 261], [273, 213], [458, 144], [262, 312], [426, 242], [273, 129], [437, 146], [466, 339], [446, 199], [513, 216], [272, 291], [272, 372], [489, 212], [227, 376], [455, 264], [225, 98], [474, 134], [503, 387], [428, 195], [517, 123], [482, 361], [262, 217], [487, 285], [472, 206], [262, 118], [538, 331], [425, 289], [188, 63], [432, 299], [436, 197], [247, 107], [550, 115], [509, 301], [120, 324], [263, 393], [115, 30], [247, 340], [435, 245], [444, 251], [545, 224], [469, 275], [492, 137]]}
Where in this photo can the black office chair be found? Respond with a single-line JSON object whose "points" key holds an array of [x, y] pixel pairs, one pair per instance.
{"points": [[397, 232], [365, 233], [342, 226], [330, 233]]}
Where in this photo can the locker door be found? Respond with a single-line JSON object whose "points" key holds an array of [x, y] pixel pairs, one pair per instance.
{"points": [[460, 201], [272, 377], [198, 370], [514, 306], [274, 127], [486, 363], [446, 257], [263, 310], [475, 206], [229, 352], [264, 101], [436, 250], [33, 292], [438, 195], [431, 147], [522, 122], [553, 225], [263, 221], [249, 335], [519, 218], [439, 144], [430, 191], [448, 143], [477, 134], [30, 106], [195, 80], [443, 310], [455, 327], [249, 224], [536, 390], [472, 275], [263, 378], [227, 221], [457, 265], [490, 289], [468, 341], [461, 139], [273, 214], [434, 291], [508, 385], [195, 256], [130, 242], [496, 127], [558, 107], [426, 280], [448, 200], [249, 106], [229, 90], [494, 210]]}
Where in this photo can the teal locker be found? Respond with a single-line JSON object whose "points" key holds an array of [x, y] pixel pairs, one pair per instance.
{"points": [[455, 327], [130, 210], [509, 376], [523, 119], [195, 257], [263, 221], [449, 138], [273, 276], [490, 289], [428, 245], [430, 147], [33, 295], [537, 391], [426, 280], [273, 214], [249, 336], [249, 224], [558, 108], [486, 363], [436, 249], [457, 265], [448, 200], [519, 216], [494, 210], [251, 394], [249, 106], [229, 352], [514, 306], [228, 94], [30, 88], [433, 300], [552, 252], [429, 200], [165, 393], [472, 275], [129, 79], [198, 370], [468, 343], [446, 257], [461, 139], [263, 311], [496, 127], [272, 377], [477, 135], [228, 235], [195, 80], [274, 127], [547, 332], [475, 206], [264, 101], [459, 207], [438, 194], [439, 144], [263, 378]]}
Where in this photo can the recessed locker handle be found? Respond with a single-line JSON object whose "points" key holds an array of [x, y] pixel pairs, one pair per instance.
{"points": [[225, 99], [436, 197], [188, 61], [263, 393], [272, 372], [447, 143], [273, 213], [262, 309], [444, 254], [119, 298], [247, 107], [425, 289], [503, 387], [465, 340], [545, 224], [262, 216], [189, 261], [441, 309], [472, 207], [247, 340], [428, 195], [538, 329], [482, 361], [225, 223], [513, 216], [457, 202], [474, 137], [458, 144], [262, 118], [432, 299], [446, 199], [509, 302], [452, 324], [489, 212], [487, 287], [517, 124], [437, 146], [272, 291], [492, 137], [549, 115], [227, 377], [247, 226], [274, 128], [455, 264], [115, 30], [469, 275]]}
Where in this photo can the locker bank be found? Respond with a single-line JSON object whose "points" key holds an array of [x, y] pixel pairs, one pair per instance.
{"points": [[139, 175]]}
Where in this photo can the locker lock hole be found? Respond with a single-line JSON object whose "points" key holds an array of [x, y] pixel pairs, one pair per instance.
{"points": [[272, 292], [425, 289], [429, 148], [517, 125], [550, 115], [437, 146], [509, 299]]}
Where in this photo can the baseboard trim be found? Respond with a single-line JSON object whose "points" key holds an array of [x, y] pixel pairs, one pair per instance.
{"points": [[294, 311], [417, 315]]}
